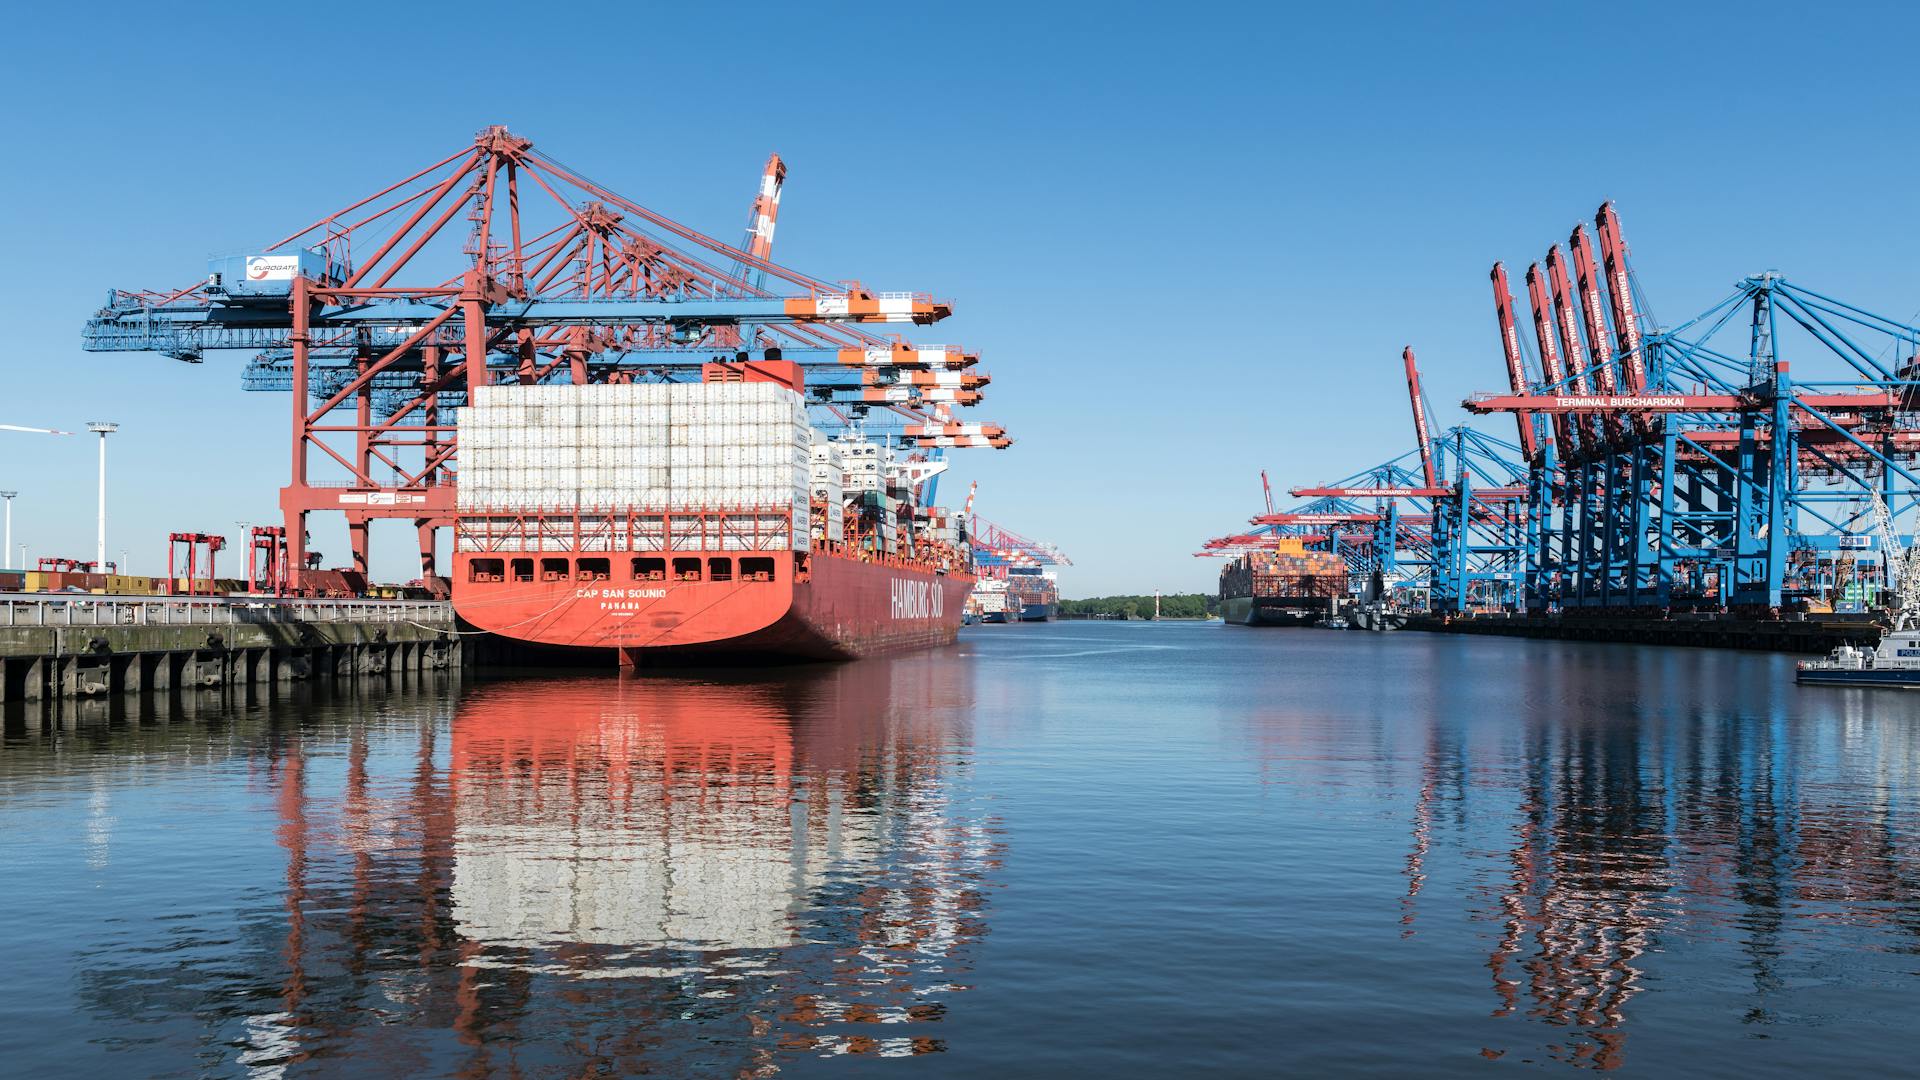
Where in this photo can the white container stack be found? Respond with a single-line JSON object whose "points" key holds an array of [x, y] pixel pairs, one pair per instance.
{"points": [[828, 473], [655, 447], [866, 465]]}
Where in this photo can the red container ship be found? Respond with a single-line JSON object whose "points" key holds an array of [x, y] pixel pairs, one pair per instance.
{"points": [[831, 602], [705, 538]]}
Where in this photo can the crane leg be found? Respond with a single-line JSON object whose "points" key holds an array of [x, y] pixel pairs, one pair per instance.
{"points": [[357, 539], [426, 532]]}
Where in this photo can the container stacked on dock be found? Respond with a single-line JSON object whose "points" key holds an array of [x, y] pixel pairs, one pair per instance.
{"points": [[78, 581]]}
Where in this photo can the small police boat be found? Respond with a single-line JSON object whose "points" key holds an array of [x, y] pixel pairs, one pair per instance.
{"points": [[1894, 662]]}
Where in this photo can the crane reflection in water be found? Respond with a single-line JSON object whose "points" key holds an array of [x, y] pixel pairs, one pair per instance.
{"points": [[1600, 845], [641, 874], [1621, 822]]}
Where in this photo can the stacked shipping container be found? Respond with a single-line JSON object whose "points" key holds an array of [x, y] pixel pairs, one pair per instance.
{"points": [[1029, 589], [866, 464], [1285, 574], [828, 474], [654, 447], [117, 584]]}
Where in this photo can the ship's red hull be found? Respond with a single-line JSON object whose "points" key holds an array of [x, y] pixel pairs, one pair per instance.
{"points": [[816, 605]]}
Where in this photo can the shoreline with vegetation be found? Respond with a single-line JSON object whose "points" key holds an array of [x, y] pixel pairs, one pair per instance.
{"points": [[1172, 606]]}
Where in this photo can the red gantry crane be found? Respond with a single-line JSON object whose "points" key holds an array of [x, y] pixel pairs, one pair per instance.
{"points": [[499, 263], [996, 548], [192, 543]]}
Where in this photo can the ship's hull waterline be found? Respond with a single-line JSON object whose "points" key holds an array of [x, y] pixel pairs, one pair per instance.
{"points": [[818, 606], [1262, 611]]}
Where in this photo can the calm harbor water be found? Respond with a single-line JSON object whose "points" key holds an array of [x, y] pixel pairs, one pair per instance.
{"points": [[1119, 849]]}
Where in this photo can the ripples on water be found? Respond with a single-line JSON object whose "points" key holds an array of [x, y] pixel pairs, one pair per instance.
{"points": [[1118, 849]]}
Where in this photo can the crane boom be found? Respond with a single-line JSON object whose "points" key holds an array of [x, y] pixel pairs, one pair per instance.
{"points": [[765, 214], [1586, 279], [995, 543], [1510, 346], [757, 242], [1626, 326], [1420, 430], [33, 430], [1550, 369], [1568, 325], [1613, 255]]}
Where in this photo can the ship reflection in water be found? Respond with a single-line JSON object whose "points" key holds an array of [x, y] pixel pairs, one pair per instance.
{"points": [[646, 874]]}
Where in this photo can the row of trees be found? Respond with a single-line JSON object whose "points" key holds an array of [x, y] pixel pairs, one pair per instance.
{"points": [[1172, 606]]}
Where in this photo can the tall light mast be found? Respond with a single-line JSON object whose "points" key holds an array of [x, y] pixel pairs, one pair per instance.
{"points": [[8, 549], [103, 429]]}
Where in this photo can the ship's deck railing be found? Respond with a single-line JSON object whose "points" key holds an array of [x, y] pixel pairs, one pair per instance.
{"points": [[559, 529], [93, 609]]}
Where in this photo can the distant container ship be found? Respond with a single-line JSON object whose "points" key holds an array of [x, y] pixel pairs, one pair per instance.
{"points": [[989, 600], [1285, 585], [1026, 594], [670, 520], [1033, 594]]}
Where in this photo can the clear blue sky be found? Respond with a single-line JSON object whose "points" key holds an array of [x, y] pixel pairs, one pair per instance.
{"points": [[1189, 242]]}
